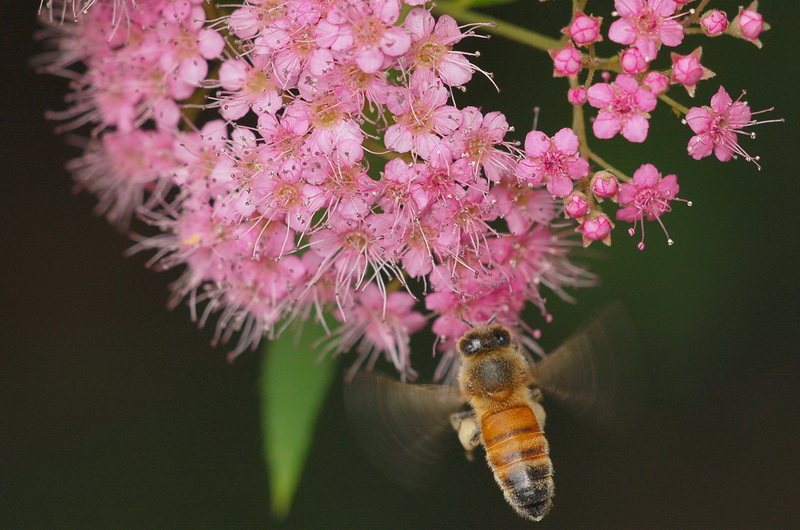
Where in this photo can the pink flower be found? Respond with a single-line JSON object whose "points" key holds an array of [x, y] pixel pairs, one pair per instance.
{"points": [[380, 323], [432, 47], [355, 250], [463, 223], [717, 127], [555, 161], [250, 86], [714, 22], [646, 24], [127, 170], [624, 107], [584, 29], [190, 46], [421, 115], [647, 196], [366, 30], [478, 144], [331, 126], [523, 207], [566, 61]]}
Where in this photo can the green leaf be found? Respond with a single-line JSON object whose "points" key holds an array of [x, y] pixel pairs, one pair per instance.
{"points": [[293, 389]]}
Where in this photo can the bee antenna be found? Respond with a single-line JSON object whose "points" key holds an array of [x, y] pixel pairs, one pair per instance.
{"points": [[465, 321], [491, 320]]}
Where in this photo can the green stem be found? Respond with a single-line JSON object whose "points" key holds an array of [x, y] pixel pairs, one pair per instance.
{"points": [[579, 123], [515, 33], [698, 10], [518, 34], [599, 161], [674, 104]]}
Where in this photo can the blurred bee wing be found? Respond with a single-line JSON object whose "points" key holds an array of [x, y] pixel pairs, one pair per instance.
{"points": [[597, 371], [402, 427]]}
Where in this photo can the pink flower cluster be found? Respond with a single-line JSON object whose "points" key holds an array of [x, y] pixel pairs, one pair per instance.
{"points": [[241, 135], [305, 159]]}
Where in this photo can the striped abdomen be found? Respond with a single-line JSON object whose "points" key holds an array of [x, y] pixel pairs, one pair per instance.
{"points": [[517, 452]]}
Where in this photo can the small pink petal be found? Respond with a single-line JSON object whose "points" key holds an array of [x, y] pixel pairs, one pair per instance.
{"points": [[566, 141], [536, 143], [635, 129], [600, 95], [622, 32], [646, 176], [606, 125], [369, 60]]}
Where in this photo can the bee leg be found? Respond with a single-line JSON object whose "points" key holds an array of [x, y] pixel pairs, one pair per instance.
{"points": [[468, 429]]}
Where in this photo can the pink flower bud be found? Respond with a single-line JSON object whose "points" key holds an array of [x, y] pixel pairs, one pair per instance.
{"points": [[656, 82], [686, 69], [596, 228], [576, 205], [714, 22], [584, 29], [632, 61], [752, 24], [577, 96], [604, 185], [567, 61], [749, 24]]}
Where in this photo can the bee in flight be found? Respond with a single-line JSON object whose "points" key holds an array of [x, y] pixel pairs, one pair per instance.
{"points": [[401, 425]]}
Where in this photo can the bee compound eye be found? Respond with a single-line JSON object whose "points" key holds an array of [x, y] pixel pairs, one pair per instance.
{"points": [[469, 346], [473, 346], [501, 337]]}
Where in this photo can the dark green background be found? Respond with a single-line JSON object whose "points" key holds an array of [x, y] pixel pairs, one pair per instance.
{"points": [[115, 412]]}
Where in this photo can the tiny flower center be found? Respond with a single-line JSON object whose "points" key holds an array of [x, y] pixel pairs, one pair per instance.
{"points": [[419, 120], [287, 196], [650, 203], [326, 113], [647, 22], [367, 31], [303, 42], [185, 43], [356, 240], [552, 164], [268, 12], [429, 53], [257, 82], [477, 146], [623, 103]]}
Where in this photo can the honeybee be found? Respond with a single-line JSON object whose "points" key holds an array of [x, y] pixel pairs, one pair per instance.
{"points": [[494, 377], [497, 405]]}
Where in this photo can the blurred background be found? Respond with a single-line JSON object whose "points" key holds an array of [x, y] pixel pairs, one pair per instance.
{"points": [[117, 413]]}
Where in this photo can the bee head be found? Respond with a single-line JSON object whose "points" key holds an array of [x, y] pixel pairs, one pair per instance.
{"points": [[483, 339]]}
